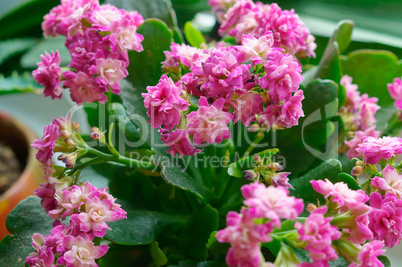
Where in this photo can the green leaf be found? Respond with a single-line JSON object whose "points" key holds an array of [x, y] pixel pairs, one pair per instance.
{"points": [[145, 68], [236, 169], [331, 170], [30, 59], [194, 237], [176, 175], [343, 34], [384, 261], [363, 66], [23, 221], [25, 19], [193, 36], [18, 84], [309, 140], [157, 254], [141, 227], [159, 9], [125, 126], [10, 48]]}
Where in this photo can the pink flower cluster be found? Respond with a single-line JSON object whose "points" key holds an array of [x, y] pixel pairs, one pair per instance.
{"points": [[386, 218], [389, 183], [264, 209], [220, 7], [354, 143], [58, 136], [289, 32], [395, 90], [318, 233], [350, 205], [98, 38], [374, 149], [358, 110], [90, 209], [221, 78]]}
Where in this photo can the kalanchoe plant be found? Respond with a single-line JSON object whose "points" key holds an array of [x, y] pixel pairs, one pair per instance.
{"points": [[222, 153]]}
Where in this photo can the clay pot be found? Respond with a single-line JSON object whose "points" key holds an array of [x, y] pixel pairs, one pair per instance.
{"points": [[19, 137]]}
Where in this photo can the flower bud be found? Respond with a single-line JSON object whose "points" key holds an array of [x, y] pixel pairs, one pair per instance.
{"points": [[250, 175], [357, 170], [311, 207], [76, 125], [254, 128], [65, 134], [70, 142], [257, 158], [70, 160], [274, 166], [97, 134]]}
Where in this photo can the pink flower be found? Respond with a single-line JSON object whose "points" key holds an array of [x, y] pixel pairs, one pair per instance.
{"points": [[46, 192], [46, 145], [223, 73], [179, 142], [357, 139], [80, 251], [209, 123], [340, 193], [283, 76], [367, 109], [318, 233], [220, 7], [181, 54], [281, 179], [353, 97], [245, 237], [395, 90], [103, 15], [374, 149], [61, 17], [164, 103], [285, 115], [390, 183], [255, 49], [109, 71], [368, 255], [246, 106], [48, 74], [84, 88], [239, 20], [123, 35], [85, 48], [43, 257], [271, 202], [386, 218]]}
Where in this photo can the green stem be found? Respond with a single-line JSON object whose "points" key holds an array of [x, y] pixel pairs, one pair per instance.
{"points": [[111, 146], [123, 160], [256, 141], [90, 162]]}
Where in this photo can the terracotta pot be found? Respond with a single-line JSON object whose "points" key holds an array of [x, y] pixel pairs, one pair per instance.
{"points": [[19, 137]]}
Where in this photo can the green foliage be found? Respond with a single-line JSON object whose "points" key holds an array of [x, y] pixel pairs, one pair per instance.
{"points": [[236, 169], [193, 36], [315, 137], [12, 47], [25, 19], [141, 227], [18, 84], [24, 220]]}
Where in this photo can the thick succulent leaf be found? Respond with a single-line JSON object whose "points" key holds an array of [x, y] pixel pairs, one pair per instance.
{"points": [[30, 59], [194, 237], [140, 227], [193, 36], [25, 19], [10, 48], [314, 138], [15, 84], [23, 221]]}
